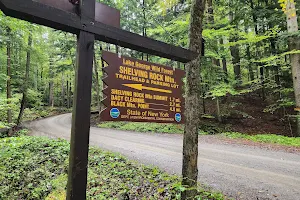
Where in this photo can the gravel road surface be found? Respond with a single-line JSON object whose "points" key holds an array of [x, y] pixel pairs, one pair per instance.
{"points": [[241, 172]]}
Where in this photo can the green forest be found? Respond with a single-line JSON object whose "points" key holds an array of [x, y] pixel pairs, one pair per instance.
{"points": [[246, 74], [242, 105]]}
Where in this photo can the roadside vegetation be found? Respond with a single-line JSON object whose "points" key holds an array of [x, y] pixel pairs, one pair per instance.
{"points": [[266, 138], [143, 127], [36, 168], [206, 130]]}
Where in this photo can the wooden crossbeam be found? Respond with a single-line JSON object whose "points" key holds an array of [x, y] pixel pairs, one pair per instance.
{"points": [[36, 12]]}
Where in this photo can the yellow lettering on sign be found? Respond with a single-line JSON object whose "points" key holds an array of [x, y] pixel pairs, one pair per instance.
{"points": [[167, 71], [130, 78], [121, 92], [169, 79], [152, 114], [139, 95], [133, 72], [155, 76], [160, 83], [142, 66], [164, 114], [130, 105], [128, 62], [134, 100], [133, 112], [155, 68], [117, 104], [117, 97], [161, 98], [148, 96], [143, 106]]}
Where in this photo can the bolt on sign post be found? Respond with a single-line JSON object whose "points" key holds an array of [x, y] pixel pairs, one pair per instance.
{"points": [[141, 91], [89, 21]]}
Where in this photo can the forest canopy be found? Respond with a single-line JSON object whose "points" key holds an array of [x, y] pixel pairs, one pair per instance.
{"points": [[247, 59]]}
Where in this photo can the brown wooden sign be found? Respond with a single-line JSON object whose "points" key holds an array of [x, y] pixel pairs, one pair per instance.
{"points": [[141, 91]]}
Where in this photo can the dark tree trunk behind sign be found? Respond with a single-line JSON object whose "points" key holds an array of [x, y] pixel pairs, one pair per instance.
{"points": [[193, 103], [25, 86], [224, 62], [211, 21], [8, 82]]}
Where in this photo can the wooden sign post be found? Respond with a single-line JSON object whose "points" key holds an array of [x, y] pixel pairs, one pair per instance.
{"points": [[79, 18], [80, 132]]}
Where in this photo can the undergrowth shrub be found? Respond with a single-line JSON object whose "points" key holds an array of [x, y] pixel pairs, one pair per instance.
{"points": [[36, 168]]}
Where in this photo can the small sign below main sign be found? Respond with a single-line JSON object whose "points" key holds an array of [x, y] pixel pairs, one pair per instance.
{"points": [[140, 91]]}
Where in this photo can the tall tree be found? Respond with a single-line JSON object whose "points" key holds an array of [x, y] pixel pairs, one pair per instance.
{"points": [[8, 82], [294, 44], [193, 103], [235, 52], [51, 82], [26, 80]]}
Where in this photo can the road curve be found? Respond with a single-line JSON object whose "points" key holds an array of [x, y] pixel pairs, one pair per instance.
{"points": [[241, 172]]}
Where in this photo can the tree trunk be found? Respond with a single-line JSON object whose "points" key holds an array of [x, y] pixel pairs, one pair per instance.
{"points": [[224, 63], [25, 86], [36, 73], [8, 82], [144, 28], [248, 53], [193, 103], [97, 82], [51, 84], [62, 90], [219, 117], [262, 82], [68, 92], [211, 21], [235, 53], [294, 44], [101, 85]]}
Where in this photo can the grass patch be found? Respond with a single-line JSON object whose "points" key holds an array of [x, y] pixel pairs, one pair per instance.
{"points": [[144, 127], [36, 168], [266, 138], [207, 129]]}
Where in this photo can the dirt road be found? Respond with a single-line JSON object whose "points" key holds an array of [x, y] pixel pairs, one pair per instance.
{"points": [[240, 172]]}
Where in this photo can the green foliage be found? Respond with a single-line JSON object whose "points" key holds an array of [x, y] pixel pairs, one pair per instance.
{"points": [[27, 164], [266, 138], [3, 125], [12, 104], [143, 127], [34, 99], [36, 168], [221, 90], [22, 132], [206, 128]]}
